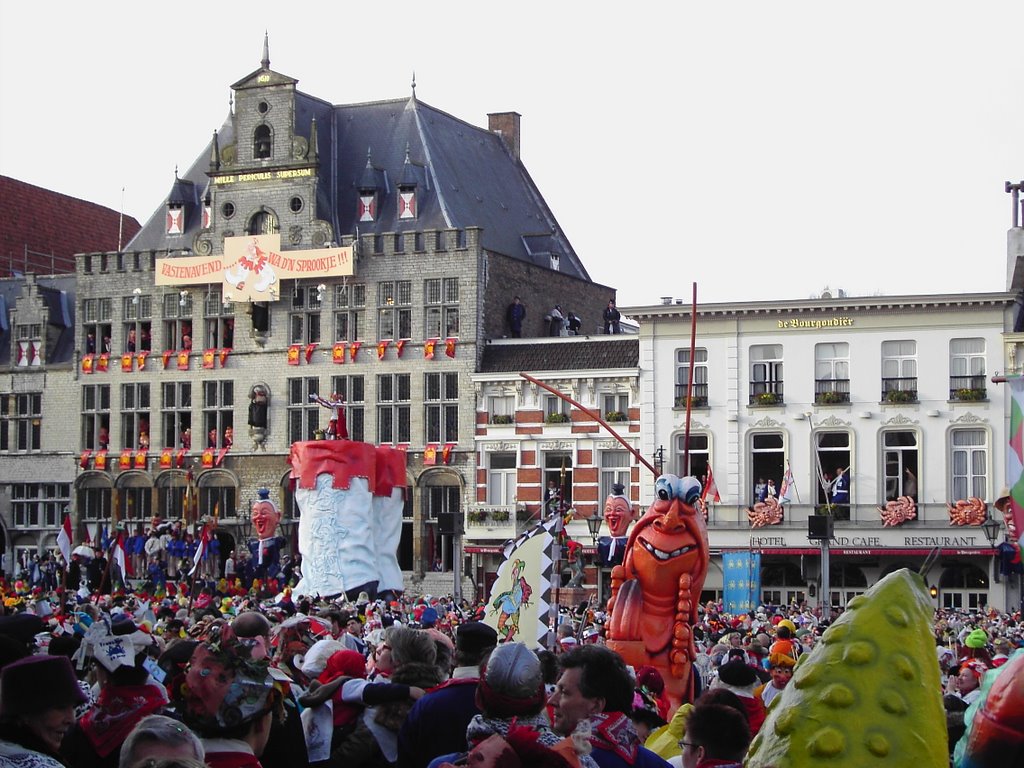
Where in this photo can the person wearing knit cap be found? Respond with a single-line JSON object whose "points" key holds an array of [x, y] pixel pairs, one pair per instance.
{"points": [[38, 696], [740, 678]]}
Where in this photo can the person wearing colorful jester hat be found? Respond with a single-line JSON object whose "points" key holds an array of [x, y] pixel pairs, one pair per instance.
{"points": [[266, 548], [618, 514]]}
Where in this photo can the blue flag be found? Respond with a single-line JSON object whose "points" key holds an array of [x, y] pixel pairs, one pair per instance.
{"points": [[742, 588], [104, 539]]}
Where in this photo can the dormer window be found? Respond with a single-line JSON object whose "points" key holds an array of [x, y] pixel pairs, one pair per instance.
{"points": [[555, 261], [367, 206], [407, 202], [175, 219], [262, 142]]}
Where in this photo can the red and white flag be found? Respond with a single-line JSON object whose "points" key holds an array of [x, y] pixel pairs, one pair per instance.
{"points": [[204, 539], [64, 538], [119, 558], [788, 487], [710, 488]]}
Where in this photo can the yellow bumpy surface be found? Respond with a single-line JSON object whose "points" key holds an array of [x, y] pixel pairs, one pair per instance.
{"points": [[868, 694]]}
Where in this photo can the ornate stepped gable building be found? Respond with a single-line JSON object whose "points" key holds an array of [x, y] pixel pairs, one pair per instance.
{"points": [[179, 387]]}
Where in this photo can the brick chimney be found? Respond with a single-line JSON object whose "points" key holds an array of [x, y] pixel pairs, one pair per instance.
{"points": [[506, 125]]}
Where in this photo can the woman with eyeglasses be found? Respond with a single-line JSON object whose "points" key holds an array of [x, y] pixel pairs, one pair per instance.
{"points": [[717, 736]]}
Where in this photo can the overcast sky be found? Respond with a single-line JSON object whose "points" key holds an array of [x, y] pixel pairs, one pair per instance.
{"points": [[757, 149]]}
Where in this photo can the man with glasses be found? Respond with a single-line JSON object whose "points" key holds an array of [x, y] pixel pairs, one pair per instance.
{"points": [[716, 737]]}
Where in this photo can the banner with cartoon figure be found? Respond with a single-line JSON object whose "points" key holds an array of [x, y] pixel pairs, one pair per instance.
{"points": [[518, 606], [252, 267]]}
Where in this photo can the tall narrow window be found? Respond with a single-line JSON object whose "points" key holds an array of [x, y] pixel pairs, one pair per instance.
{"points": [[28, 421], [135, 415], [262, 142], [218, 321], [766, 374], [767, 460], [693, 462], [969, 462], [615, 406], [832, 373], [138, 324], [96, 417], [441, 302], [394, 313], [900, 464], [39, 504], [219, 413], [700, 377], [353, 390], [394, 400], [178, 320], [97, 325], [176, 416], [501, 409], [441, 407], [350, 316], [899, 371], [833, 454], [304, 320], [614, 469], [556, 410], [501, 478], [6, 420], [967, 369], [303, 416]]}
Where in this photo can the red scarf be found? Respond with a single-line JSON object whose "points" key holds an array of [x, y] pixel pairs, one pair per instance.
{"points": [[117, 711], [614, 732]]}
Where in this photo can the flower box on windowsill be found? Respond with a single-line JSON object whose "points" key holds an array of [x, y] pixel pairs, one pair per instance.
{"points": [[832, 398], [615, 416], [502, 420], [695, 402], [767, 398], [901, 396], [557, 418], [969, 395]]}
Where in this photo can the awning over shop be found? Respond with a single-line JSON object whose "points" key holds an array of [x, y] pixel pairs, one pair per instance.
{"points": [[854, 551]]}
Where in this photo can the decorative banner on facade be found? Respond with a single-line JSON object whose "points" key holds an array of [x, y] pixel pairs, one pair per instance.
{"points": [[101, 460], [253, 267], [1013, 513], [446, 453], [207, 459], [223, 355], [399, 346], [428, 348], [353, 350], [293, 354], [209, 357], [742, 574], [87, 363], [140, 460], [518, 604], [166, 458], [125, 462], [127, 362], [140, 360], [183, 361], [338, 353], [83, 461], [310, 349], [179, 462], [430, 455], [166, 357], [103, 362], [221, 454], [382, 348], [449, 347]]}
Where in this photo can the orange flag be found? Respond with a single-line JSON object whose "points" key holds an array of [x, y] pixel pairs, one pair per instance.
{"points": [[209, 356], [103, 363], [293, 354], [140, 360], [399, 346], [428, 348], [183, 361], [224, 355], [353, 350], [87, 363], [166, 356], [382, 348], [127, 362], [449, 347], [338, 353]]}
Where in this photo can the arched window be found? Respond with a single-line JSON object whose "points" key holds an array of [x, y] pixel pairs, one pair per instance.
{"points": [[134, 496], [262, 142], [263, 222], [218, 494]]}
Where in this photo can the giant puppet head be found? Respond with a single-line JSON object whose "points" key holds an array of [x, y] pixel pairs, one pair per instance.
{"points": [[265, 515], [618, 512]]}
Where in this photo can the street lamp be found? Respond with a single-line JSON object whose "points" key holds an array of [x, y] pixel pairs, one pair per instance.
{"points": [[991, 528], [594, 523]]}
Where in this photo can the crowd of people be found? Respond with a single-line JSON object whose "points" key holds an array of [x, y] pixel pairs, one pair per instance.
{"points": [[219, 675]]}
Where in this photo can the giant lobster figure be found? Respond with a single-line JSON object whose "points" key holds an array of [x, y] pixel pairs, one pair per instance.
{"points": [[656, 590]]}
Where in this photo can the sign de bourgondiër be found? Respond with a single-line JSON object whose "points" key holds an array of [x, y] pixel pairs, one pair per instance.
{"points": [[825, 322]]}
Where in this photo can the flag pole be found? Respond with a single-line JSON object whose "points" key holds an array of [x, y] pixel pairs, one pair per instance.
{"points": [[689, 383]]}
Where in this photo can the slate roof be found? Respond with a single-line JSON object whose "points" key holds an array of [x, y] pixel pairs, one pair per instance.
{"points": [[47, 222], [573, 355], [466, 177], [58, 295]]}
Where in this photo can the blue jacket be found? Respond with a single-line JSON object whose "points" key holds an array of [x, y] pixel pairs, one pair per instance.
{"points": [[436, 724]]}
